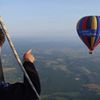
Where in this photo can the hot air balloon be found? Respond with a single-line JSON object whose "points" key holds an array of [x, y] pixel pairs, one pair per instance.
{"points": [[88, 29]]}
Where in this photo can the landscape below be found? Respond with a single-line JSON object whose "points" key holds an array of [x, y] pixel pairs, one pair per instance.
{"points": [[67, 72]]}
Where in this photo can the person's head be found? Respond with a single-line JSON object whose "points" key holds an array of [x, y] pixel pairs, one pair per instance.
{"points": [[2, 37]]}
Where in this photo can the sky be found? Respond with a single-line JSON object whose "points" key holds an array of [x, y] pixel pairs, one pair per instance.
{"points": [[54, 19]]}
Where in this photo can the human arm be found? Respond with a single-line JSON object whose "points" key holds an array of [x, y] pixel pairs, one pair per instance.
{"points": [[29, 66]]}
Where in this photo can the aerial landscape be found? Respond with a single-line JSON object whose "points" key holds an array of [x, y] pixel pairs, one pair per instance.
{"points": [[66, 71]]}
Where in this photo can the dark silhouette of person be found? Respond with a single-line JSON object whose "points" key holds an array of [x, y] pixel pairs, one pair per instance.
{"points": [[18, 90]]}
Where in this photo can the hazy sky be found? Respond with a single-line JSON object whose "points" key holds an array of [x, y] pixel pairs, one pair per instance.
{"points": [[46, 18]]}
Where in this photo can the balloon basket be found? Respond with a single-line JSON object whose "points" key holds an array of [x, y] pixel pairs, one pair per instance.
{"points": [[90, 52]]}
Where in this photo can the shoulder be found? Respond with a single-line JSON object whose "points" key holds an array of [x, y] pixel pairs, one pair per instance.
{"points": [[7, 85], [4, 84]]}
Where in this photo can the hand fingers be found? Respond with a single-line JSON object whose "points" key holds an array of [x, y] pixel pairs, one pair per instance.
{"points": [[29, 51]]}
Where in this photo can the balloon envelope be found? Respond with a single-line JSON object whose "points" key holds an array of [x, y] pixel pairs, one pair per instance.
{"points": [[88, 29]]}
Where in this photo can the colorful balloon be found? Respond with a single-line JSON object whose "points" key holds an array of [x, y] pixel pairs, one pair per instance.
{"points": [[88, 29]]}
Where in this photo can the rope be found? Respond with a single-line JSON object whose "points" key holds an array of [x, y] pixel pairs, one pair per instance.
{"points": [[16, 55]]}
